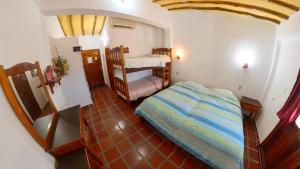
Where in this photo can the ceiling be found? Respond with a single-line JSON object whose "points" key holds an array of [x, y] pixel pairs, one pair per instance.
{"points": [[271, 10], [76, 25]]}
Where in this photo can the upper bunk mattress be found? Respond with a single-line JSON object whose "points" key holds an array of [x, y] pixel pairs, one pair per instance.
{"points": [[146, 61], [205, 122]]}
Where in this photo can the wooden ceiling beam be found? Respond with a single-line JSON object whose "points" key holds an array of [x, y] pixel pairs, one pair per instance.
{"points": [[71, 24], [62, 28], [285, 4], [228, 10], [82, 25], [262, 9], [94, 26]]}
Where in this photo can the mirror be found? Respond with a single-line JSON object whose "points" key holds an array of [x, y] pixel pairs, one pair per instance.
{"points": [[25, 89], [34, 102]]}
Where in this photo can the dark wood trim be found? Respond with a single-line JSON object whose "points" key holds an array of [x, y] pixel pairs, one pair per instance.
{"points": [[271, 135], [20, 68], [246, 6], [228, 10], [94, 26], [61, 26], [60, 151], [52, 128], [286, 4], [82, 25], [102, 25]]}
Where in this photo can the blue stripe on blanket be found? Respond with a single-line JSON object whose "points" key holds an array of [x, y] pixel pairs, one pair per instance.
{"points": [[201, 119]]}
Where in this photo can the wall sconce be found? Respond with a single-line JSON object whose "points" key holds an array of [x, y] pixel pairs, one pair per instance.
{"points": [[245, 57], [178, 54]]}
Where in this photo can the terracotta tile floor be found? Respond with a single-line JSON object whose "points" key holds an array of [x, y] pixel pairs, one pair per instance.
{"points": [[127, 141]]}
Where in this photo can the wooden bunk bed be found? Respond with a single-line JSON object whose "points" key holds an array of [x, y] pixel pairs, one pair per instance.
{"points": [[119, 67]]}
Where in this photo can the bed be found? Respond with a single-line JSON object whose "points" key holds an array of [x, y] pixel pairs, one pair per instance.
{"points": [[120, 64], [151, 60], [205, 122]]}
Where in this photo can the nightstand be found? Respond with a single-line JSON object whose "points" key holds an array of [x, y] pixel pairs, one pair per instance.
{"points": [[250, 107]]}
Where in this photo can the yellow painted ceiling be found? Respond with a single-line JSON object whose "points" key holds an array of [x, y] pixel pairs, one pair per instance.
{"points": [[76, 25], [271, 10]]}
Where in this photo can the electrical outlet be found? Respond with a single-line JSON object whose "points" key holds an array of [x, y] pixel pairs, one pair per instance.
{"points": [[177, 73]]}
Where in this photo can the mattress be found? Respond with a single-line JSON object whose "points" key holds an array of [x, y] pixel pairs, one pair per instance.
{"points": [[144, 87], [205, 122], [153, 60]]}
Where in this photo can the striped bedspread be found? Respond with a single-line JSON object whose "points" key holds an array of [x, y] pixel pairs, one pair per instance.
{"points": [[205, 122]]}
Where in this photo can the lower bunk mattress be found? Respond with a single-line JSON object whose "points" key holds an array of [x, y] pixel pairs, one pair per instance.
{"points": [[143, 87], [205, 122]]}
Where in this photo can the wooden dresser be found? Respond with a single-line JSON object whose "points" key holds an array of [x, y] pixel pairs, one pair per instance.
{"points": [[250, 107], [281, 149]]}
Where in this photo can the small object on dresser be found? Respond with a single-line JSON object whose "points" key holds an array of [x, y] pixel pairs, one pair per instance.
{"points": [[250, 107]]}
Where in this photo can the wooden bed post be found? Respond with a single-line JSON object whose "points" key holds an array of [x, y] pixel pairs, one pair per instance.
{"points": [[124, 74], [110, 69]]}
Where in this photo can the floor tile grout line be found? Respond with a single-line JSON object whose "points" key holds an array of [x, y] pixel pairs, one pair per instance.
{"points": [[113, 105]]}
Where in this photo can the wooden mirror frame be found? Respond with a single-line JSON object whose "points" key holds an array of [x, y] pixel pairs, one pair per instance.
{"points": [[12, 99]]}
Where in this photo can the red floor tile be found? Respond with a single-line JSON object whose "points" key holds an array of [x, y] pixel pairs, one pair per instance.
{"points": [[106, 143], [102, 134], [132, 158], [124, 146], [136, 139], [166, 148], [119, 164], [179, 156], [191, 163], [142, 165], [156, 159], [155, 140], [112, 154], [128, 141], [145, 149], [167, 165]]}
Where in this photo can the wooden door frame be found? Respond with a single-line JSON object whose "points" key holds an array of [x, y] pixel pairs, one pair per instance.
{"points": [[84, 66]]}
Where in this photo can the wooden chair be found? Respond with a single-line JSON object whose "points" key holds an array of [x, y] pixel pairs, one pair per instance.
{"points": [[89, 139], [85, 158]]}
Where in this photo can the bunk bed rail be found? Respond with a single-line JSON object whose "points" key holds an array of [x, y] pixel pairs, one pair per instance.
{"points": [[163, 51], [165, 72], [116, 56], [117, 61]]}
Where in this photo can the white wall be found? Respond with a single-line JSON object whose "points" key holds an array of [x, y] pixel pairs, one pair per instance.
{"points": [[140, 10], [140, 40], [74, 85], [213, 42], [288, 34], [22, 39]]}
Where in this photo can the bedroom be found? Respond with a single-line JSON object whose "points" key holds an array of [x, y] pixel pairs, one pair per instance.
{"points": [[207, 48]]}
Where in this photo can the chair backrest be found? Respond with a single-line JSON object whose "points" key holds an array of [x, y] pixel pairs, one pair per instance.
{"points": [[88, 139]]}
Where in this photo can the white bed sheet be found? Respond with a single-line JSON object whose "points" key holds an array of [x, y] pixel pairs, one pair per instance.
{"points": [[146, 61]]}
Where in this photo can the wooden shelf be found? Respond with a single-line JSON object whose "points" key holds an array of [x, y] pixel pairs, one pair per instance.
{"points": [[51, 83]]}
